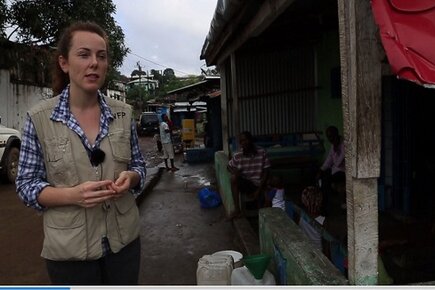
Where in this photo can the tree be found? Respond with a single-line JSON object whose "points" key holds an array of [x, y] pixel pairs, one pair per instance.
{"points": [[175, 83], [136, 93], [138, 73], [167, 82], [3, 18], [42, 22], [169, 72], [157, 76], [168, 75]]}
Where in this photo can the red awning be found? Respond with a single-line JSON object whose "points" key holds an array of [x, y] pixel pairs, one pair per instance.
{"points": [[407, 30]]}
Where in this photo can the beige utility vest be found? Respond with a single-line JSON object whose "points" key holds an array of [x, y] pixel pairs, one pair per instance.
{"points": [[72, 232]]}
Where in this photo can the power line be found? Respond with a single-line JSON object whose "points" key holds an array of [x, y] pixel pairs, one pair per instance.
{"points": [[141, 57]]}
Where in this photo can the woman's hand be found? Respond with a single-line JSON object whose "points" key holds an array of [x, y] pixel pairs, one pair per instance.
{"points": [[125, 181], [91, 193]]}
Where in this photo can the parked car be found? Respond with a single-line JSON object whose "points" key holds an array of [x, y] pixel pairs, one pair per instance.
{"points": [[10, 142], [148, 123]]}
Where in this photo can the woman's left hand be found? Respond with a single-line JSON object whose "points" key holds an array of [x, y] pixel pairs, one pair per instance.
{"points": [[122, 184]]}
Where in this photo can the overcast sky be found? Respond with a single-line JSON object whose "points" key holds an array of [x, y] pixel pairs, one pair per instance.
{"points": [[164, 33]]}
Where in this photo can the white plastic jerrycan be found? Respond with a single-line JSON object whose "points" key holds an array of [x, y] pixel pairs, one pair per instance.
{"points": [[242, 276]]}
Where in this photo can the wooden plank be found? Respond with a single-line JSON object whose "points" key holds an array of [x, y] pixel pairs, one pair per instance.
{"points": [[305, 264]]}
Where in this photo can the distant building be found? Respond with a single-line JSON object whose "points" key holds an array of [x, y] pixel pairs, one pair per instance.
{"points": [[147, 82], [117, 92]]}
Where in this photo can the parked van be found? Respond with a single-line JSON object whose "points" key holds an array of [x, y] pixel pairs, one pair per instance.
{"points": [[148, 123]]}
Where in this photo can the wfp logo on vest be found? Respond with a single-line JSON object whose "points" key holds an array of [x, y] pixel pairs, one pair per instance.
{"points": [[118, 115]]}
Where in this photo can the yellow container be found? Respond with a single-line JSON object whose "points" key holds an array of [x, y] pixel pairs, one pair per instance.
{"points": [[188, 133]]}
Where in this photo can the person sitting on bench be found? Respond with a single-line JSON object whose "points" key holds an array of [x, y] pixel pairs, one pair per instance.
{"points": [[249, 171]]}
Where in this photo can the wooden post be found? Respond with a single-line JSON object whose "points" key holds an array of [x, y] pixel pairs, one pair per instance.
{"points": [[361, 89], [224, 107], [235, 96]]}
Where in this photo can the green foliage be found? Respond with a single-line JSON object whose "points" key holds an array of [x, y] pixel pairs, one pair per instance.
{"points": [[138, 73], [138, 93], [112, 75], [167, 82], [27, 64], [173, 83], [176, 83], [42, 22], [3, 18], [157, 76], [134, 93], [168, 76]]}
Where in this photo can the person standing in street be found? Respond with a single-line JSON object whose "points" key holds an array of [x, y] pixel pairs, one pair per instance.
{"points": [[165, 138], [81, 167]]}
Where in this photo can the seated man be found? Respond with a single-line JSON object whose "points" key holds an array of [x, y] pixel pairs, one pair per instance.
{"points": [[249, 170], [332, 172]]}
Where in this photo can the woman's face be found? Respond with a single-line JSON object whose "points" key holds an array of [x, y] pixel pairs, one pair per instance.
{"points": [[87, 62]]}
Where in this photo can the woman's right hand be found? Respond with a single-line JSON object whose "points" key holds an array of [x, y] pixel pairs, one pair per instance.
{"points": [[92, 193]]}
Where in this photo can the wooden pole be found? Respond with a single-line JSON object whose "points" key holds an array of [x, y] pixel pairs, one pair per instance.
{"points": [[224, 107], [235, 97], [361, 93]]}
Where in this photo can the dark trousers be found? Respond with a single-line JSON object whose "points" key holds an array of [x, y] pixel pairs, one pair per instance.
{"points": [[248, 188], [328, 180], [121, 268]]}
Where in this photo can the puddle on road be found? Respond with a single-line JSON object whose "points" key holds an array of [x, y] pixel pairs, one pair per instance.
{"points": [[195, 181]]}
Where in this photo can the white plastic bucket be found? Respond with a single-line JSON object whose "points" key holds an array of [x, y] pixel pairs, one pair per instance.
{"points": [[237, 257]]}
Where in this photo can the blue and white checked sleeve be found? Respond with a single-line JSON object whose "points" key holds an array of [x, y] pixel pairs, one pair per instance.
{"points": [[137, 163], [31, 178]]}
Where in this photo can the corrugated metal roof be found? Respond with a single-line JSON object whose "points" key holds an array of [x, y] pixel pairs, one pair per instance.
{"points": [[187, 87], [224, 12], [182, 104]]}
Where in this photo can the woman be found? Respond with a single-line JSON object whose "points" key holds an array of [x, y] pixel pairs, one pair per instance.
{"points": [[80, 165]]}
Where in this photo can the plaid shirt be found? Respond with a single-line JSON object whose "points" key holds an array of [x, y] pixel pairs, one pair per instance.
{"points": [[251, 167], [32, 175]]}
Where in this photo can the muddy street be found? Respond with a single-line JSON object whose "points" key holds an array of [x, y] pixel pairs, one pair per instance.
{"points": [[150, 152], [176, 231]]}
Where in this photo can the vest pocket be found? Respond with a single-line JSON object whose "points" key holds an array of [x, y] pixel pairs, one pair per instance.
{"points": [[65, 233], [120, 143], [127, 218], [121, 151], [61, 169]]}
